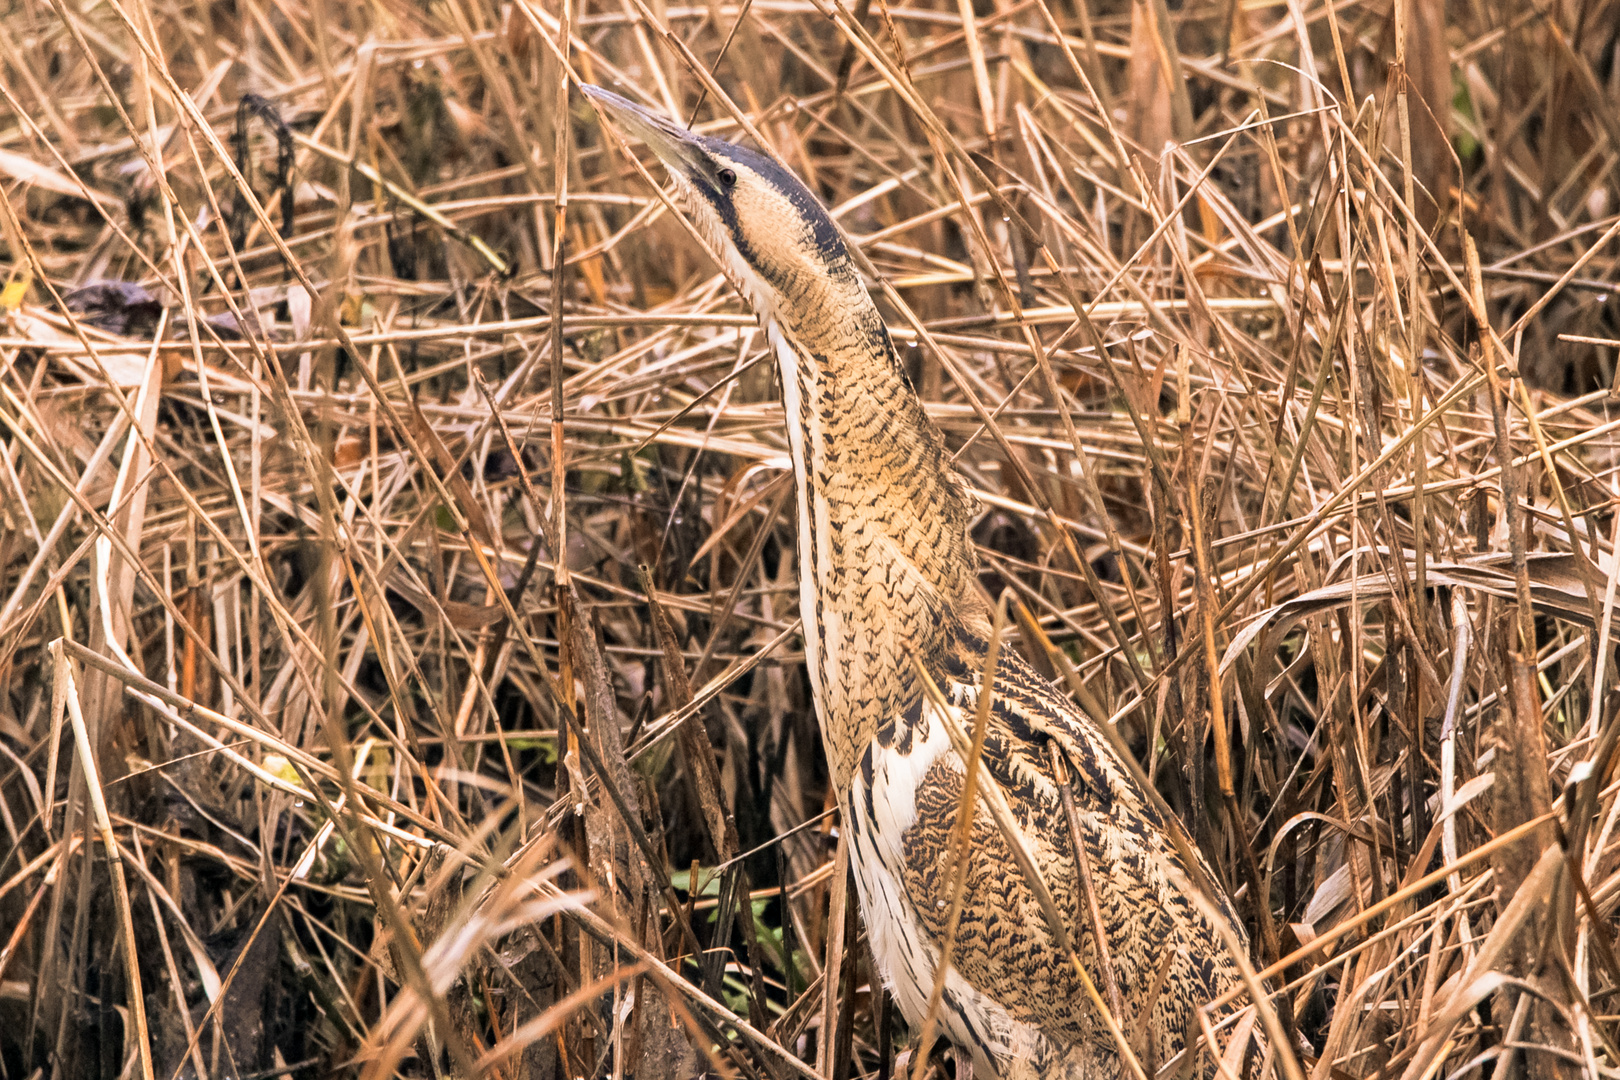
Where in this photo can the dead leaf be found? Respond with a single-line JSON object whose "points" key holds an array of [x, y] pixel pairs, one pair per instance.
{"points": [[33, 174]]}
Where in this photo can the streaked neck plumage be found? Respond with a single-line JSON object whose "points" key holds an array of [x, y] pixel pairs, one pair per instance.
{"points": [[885, 564], [884, 555]]}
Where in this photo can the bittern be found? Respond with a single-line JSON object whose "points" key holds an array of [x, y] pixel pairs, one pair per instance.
{"points": [[896, 631]]}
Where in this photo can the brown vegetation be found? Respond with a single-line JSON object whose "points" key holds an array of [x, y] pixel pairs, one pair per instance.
{"points": [[396, 563]]}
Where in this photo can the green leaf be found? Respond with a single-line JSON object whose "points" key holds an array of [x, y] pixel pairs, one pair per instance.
{"points": [[708, 880], [546, 747]]}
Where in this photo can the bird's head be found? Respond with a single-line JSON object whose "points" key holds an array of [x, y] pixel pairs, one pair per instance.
{"points": [[779, 245]]}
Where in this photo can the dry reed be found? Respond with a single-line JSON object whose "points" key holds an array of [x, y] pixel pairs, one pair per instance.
{"points": [[396, 564]]}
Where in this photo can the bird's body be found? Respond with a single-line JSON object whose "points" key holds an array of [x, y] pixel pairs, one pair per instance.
{"points": [[891, 604]]}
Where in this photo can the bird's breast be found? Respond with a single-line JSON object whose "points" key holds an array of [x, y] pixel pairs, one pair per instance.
{"points": [[900, 773]]}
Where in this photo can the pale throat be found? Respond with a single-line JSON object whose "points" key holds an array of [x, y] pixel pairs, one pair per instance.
{"points": [[869, 495], [882, 550]]}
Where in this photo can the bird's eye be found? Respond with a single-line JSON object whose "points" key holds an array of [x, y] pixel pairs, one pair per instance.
{"points": [[727, 177]]}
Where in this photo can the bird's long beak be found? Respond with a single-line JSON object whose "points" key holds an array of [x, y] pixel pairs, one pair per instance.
{"points": [[675, 146]]}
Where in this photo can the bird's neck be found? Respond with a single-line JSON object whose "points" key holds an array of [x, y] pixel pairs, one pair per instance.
{"points": [[885, 561]]}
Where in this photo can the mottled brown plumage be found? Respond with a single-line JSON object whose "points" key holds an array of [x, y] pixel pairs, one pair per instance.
{"points": [[888, 586]]}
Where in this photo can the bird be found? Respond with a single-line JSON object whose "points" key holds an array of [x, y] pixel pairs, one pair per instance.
{"points": [[896, 633]]}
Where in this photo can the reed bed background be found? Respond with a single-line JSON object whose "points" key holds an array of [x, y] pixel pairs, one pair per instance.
{"points": [[396, 557]]}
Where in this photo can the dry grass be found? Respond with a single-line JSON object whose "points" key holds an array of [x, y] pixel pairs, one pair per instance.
{"points": [[310, 525]]}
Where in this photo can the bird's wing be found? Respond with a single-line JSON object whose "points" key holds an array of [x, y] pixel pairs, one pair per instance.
{"points": [[1166, 956]]}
